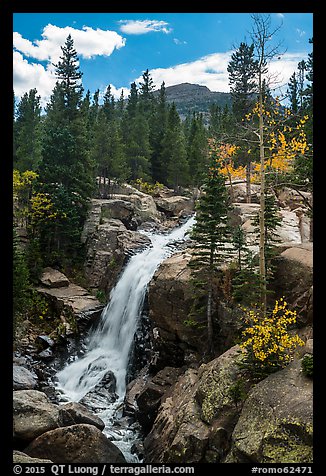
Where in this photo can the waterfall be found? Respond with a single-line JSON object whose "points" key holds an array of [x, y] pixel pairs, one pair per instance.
{"points": [[110, 344]]}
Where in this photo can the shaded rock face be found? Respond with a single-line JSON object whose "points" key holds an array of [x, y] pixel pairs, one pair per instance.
{"points": [[150, 397], [170, 298], [293, 278], [197, 415], [102, 394], [75, 444], [275, 425]]}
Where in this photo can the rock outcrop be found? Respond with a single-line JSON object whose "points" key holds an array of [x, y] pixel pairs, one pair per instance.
{"points": [[215, 414], [80, 443], [293, 278], [108, 240], [169, 299], [34, 414], [67, 433], [197, 415], [23, 379], [276, 422]]}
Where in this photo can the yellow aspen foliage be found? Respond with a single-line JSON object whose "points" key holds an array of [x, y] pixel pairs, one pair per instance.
{"points": [[284, 140], [224, 154], [22, 190], [267, 342], [42, 208]]}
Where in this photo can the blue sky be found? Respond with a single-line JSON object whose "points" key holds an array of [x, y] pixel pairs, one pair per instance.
{"points": [[116, 48]]}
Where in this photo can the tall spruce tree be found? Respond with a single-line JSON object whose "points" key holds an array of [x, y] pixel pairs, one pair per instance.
{"points": [[158, 132], [66, 171], [197, 150], [242, 70], [210, 234], [174, 151], [293, 93], [28, 132]]}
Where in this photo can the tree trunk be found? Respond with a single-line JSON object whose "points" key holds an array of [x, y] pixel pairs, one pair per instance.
{"points": [[262, 264], [210, 319], [248, 183]]}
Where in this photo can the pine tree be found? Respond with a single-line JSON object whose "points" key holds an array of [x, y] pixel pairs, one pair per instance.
{"points": [[69, 77], [197, 150], [210, 234], [293, 93], [21, 284], [174, 151], [242, 70], [66, 171], [158, 132], [27, 132]]}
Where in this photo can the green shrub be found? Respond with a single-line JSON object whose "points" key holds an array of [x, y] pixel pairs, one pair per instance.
{"points": [[307, 364]]}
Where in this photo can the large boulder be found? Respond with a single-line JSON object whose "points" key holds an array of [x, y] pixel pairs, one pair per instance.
{"points": [[53, 278], [23, 379], [275, 425], [80, 443], [73, 413], [198, 413], [33, 414], [175, 205]]}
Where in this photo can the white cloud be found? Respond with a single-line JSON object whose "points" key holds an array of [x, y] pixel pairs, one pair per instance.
{"points": [[282, 69], [210, 71], [140, 27], [27, 76], [88, 43]]}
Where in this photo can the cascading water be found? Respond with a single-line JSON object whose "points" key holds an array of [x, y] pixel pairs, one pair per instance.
{"points": [[110, 344]]}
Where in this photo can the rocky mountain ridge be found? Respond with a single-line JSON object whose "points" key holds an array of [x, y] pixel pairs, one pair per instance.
{"points": [[190, 98]]}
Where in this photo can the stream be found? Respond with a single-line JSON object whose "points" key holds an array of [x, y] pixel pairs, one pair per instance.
{"points": [[109, 346]]}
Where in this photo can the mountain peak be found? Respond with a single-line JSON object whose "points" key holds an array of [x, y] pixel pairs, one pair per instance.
{"points": [[190, 98]]}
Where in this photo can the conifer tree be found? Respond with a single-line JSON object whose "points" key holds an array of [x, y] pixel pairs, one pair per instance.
{"points": [[174, 151], [158, 132], [293, 93], [197, 150], [66, 171], [27, 132], [210, 234]]}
